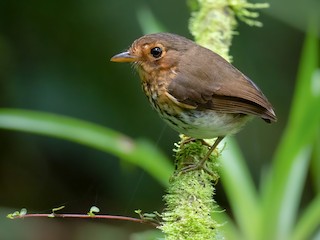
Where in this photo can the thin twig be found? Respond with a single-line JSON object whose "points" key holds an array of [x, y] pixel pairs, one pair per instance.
{"points": [[86, 216]]}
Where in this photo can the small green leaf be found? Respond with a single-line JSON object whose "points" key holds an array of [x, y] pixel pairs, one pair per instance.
{"points": [[54, 210], [23, 212], [93, 211], [139, 212], [57, 209], [17, 214], [13, 215], [149, 215]]}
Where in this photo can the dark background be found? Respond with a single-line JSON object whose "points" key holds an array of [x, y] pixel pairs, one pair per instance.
{"points": [[54, 57]]}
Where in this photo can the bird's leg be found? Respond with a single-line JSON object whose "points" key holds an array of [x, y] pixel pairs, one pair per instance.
{"points": [[215, 144], [201, 164]]}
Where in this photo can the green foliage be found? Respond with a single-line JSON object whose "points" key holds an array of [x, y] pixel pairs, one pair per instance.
{"points": [[285, 183], [16, 214], [138, 152], [273, 213], [241, 9]]}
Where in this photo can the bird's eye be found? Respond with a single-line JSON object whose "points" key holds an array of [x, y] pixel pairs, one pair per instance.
{"points": [[156, 52]]}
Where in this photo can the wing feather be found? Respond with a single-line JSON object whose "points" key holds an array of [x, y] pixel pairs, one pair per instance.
{"points": [[215, 84]]}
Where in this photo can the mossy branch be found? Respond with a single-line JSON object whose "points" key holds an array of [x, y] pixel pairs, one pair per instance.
{"points": [[213, 22], [190, 206], [189, 202]]}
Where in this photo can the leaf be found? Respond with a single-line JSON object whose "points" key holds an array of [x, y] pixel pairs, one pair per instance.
{"points": [[240, 190], [283, 188], [139, 152], [308, 222], [93, 211], [17, 214], [57, 209]]}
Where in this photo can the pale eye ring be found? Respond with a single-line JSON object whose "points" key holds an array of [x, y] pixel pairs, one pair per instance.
{"points": [[156, 52]]}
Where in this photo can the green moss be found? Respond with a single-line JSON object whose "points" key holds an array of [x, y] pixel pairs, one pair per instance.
{"points": [[190, 205], [212, 23], [189, 202]]}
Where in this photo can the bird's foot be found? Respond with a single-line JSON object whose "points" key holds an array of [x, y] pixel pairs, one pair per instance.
{"points": [[189, 164], [196, 167]]}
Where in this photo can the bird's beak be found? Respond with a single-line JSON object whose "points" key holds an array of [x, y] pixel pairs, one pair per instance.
{"points": [[123, 57]]}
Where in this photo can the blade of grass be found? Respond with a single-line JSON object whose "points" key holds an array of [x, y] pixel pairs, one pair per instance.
{"points": [[283, 188], [240, 190], [139, 152], [309, 221], [315, 163], [229, 230]]}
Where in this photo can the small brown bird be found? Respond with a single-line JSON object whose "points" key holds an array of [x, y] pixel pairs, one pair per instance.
{"points": [[196, 91]]}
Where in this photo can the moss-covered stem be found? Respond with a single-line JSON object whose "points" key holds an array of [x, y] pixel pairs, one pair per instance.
{"points": [[190, 206], [213, 22], [189, 202]]}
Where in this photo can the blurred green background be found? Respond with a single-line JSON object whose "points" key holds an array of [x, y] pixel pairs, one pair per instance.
{"points": [[54, 57]]}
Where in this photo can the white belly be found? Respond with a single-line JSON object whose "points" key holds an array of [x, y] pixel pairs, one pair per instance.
{"points": [[208, 124]]}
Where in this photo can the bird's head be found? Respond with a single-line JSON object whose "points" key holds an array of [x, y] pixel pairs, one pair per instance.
{"points": [[160, 51]]}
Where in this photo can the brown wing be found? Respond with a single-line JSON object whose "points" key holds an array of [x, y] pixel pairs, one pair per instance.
{"points": [[213, 83]]}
